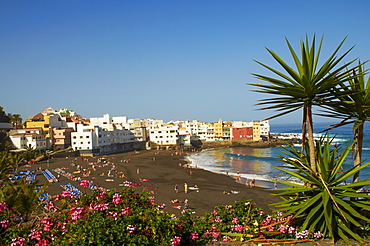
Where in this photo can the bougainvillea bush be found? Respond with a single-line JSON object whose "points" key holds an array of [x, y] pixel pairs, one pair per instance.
{"points": [[129, 218]]}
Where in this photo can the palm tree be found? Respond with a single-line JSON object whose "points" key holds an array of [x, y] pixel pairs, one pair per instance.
{"points": [[8, 162], [23, 197], [352, 108], [324, 206], [17, 120], [307, 85]]}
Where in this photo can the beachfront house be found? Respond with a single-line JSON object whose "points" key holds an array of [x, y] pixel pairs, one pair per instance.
{"points": [[106, 135], [31, 137], [167, 135], [61, 137]]}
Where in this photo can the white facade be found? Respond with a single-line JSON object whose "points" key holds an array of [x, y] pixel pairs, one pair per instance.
{"points": [[95, 137], [164, 135], [32, 137], [265, 128]]}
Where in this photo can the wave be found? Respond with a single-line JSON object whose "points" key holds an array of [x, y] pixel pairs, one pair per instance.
{"points": [[249, 157]]}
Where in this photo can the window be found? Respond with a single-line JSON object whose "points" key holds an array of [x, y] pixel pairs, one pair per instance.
{"points": [[74, 137], [87, 136]]}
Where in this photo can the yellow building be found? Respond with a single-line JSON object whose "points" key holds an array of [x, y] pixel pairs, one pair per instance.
{"points": [[39, 120], [46, 122], [256, 131], [218, 130]]}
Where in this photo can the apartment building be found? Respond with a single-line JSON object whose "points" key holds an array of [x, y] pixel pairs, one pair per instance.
{"points": [[164, 135], [107, 135], [31, 137]]}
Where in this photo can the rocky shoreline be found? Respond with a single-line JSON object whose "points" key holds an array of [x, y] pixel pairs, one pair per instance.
{"points": [[254, 144]]}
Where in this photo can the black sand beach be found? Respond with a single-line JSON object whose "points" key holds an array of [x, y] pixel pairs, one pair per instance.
{"points": [[158, 172]]}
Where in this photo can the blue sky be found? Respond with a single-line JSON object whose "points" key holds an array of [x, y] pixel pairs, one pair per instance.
{"points": [[170, 60]]}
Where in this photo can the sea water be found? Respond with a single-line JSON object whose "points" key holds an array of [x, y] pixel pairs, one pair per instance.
{"points": [[258, 163]]}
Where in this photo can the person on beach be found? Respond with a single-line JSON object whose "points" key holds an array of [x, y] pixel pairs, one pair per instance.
{"points": [[252, 183], [247, 183], [177, 188], [186, 204], [186, 188], [191, 172]]}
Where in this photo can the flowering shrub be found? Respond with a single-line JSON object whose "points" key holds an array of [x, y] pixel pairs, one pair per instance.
{"points": [[130, 218]]}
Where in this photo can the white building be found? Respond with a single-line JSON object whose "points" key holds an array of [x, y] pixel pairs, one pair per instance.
{"points": [[164, 135], [107, 135], [96, 140], [32, 137]]}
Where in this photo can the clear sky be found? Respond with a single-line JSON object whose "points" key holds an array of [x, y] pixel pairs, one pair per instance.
{"points": [[170, 60]]}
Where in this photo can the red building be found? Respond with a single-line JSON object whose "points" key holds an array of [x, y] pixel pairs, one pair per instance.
{"points": [[242, 133]]}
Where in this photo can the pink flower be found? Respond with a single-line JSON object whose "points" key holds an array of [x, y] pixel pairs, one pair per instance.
{"points": [[207, 233], [216, 234], [5, 223], [113, 215], [50, 206], [291, 230], [126, 210], [19, 241], [102, 194], [3, 206], [283, 228], [179, 227], [194, 236], [214, 212], [261, 212], [76, 212], [57, 198], [131, 228], [302, 235], [117, 199], [67, 193], [317, 234], [218, 219], [35, 235], [84, 183], [99, 207], [175, 241], [214, 228], [128, 184], [225, 238], [271, 228], [235, 221], [238, 228], [161, 206], [47, 223]]}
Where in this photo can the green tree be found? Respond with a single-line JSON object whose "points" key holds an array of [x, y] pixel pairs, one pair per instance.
{"points": [[8, 162], [324, 206], [307, 85], [22, 197], [352, 108]]}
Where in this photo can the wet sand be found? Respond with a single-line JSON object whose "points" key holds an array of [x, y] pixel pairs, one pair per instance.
{"points": [[159, 177]]}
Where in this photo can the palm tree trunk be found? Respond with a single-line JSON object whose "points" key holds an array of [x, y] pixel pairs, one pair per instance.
{"points": [[311, 141], [304, 127], [357, 149]]}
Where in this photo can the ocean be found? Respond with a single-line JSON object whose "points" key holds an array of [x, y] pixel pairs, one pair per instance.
{"points": [[257, 163]]}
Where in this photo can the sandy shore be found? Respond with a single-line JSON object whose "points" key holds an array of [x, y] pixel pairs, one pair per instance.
{"points": [[158, 172]]}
